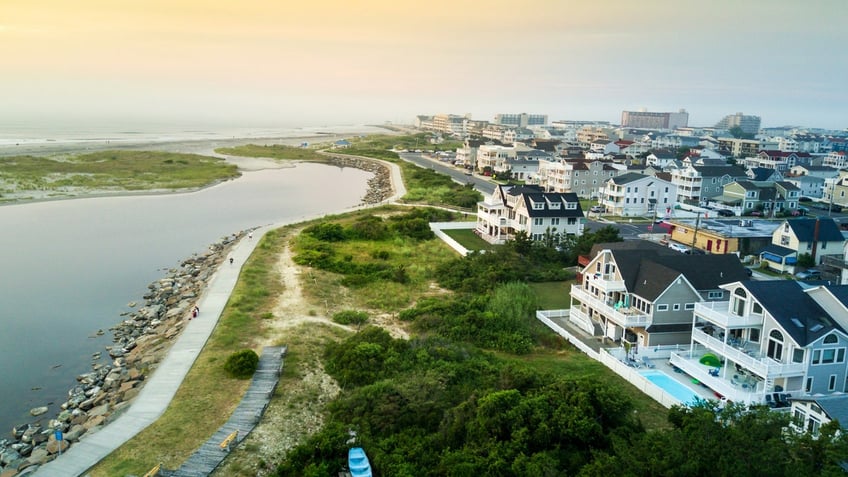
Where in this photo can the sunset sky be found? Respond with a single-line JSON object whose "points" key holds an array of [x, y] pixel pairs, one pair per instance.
{"points": [[318, 62]]}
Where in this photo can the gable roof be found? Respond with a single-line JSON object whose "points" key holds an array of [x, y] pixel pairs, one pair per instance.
{"points": [[648, 268], [549, 198], [718, 171], [834, 405], [805, 230], [761, 173], [627, 178], [793, 309]]}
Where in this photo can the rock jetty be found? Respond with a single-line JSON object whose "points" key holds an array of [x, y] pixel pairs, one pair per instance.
{"points": [[379, 186], [139, 344]]}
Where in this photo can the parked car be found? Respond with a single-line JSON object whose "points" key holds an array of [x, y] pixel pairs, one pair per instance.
{"points": [[598, 208], [678, 247], [726, 213], [809, 274], [805, 199]]}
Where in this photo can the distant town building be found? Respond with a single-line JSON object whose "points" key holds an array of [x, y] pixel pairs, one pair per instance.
{"points": [[653, 120], [748, 124], [634, 194], [522, 120]]}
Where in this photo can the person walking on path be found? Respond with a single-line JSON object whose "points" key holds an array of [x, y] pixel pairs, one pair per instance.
{"points": [[196, 311], [250, 234]]}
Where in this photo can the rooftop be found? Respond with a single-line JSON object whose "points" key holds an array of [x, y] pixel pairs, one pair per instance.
{"points": [[733, 227]]}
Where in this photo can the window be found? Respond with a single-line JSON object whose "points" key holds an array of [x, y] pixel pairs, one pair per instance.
{"points": [[689, 306], [828, 356], [572, 221], [555, 221], [830, 339], [756, 309], [813, 426], [799, 417], [676, 307], [831, 383], [538, 221], [784, 240], [715, 295], [775, 345], [662, 307], [739, 302], [798, 355], [809, 385]]}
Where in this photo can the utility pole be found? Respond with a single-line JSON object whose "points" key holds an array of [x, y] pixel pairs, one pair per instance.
{"points": [[695, 234]]}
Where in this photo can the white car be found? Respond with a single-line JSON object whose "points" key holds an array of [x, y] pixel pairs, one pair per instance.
{"points": [[597, 208], [678, 247]]}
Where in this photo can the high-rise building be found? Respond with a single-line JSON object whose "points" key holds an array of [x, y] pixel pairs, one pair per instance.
{"points": [[652, 120], [521, 120], [748, 124]]}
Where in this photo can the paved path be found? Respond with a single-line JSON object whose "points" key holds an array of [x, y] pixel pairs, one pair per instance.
{"points": [[248, 413], [158, 391]]}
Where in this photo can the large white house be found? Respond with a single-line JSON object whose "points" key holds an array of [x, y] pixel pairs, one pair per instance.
{"points": [[528, 209], [776, 336], [634, 194]]}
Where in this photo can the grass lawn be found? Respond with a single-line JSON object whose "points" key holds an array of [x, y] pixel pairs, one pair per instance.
{"points": [[553, 295], [468, 239]]}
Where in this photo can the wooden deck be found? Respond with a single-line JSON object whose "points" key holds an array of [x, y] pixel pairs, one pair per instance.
{"points": [[248, 413]]}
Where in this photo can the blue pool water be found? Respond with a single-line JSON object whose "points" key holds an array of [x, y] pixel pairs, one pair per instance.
{"points": [[671, 386]]}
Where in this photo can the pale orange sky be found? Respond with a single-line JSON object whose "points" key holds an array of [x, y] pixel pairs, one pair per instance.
{"points": [[323, 60]]}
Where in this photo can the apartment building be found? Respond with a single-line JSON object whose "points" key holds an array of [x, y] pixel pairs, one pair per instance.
{"points": [[654, 120], [521, 120], [749, 124]]}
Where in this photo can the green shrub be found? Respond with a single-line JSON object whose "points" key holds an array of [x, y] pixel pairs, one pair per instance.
{"points": [[242, 364], [350, 317]]}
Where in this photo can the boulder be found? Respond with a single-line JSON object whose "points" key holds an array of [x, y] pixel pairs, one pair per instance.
{"points": [[53, 446], [37, 411]]}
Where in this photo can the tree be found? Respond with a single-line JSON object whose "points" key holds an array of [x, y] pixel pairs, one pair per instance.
{"points": [[738, 133]]}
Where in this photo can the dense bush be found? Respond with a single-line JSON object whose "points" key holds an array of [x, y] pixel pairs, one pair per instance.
{"points": [[242, 364], [431, 407], [350, 317]]}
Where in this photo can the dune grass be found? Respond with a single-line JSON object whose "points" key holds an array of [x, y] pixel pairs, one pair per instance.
{"points": [[113, 171]]}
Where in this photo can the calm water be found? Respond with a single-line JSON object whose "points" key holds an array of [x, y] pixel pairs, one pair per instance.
{"points": [[70, 267]]}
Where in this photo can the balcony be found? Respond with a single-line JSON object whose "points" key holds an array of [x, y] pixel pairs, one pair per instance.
{"points": [[718, 312], [605, 282], [623, 317], [749, 357]]}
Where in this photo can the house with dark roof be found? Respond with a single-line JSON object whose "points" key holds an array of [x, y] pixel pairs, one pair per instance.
{"points": [[643, 293], [809, 413], [528, 209], [819, 237], [776, 336], [634, 194], [697, 184], [768, 197], [762, 174]]}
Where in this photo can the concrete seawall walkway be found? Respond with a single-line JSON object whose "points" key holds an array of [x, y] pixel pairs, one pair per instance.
{"points": [[158, 391]]}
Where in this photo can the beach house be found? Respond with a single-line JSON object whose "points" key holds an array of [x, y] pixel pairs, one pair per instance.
{"points": [[528, 209], [643, 293], [776, 336]]}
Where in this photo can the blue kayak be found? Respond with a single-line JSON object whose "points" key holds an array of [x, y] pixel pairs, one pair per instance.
{"points": [[357, 463]]}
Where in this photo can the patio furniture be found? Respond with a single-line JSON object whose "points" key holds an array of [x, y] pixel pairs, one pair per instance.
{"points": [[647, 361], [770, 401]]}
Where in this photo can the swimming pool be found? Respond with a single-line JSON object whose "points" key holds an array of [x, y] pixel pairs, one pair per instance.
{"points": [[671, 386]]}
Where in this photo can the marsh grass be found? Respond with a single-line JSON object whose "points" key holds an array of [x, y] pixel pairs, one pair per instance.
{"points": [[276, 151], [114, 170]]}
